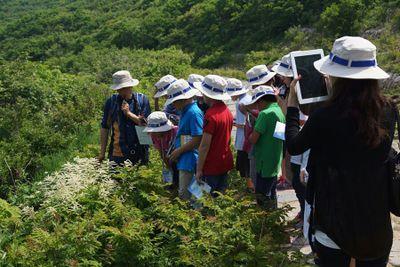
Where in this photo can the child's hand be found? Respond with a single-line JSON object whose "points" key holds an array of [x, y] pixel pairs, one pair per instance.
{"points": [[276, 91], [302, 176], [199, 176], [242, 108], [175, 155]]}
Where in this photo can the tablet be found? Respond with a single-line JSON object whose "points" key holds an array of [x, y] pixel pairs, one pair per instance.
{"points": [[311, 88]]}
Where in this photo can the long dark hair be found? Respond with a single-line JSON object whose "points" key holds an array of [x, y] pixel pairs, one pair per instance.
{"points": [[362, 100]]}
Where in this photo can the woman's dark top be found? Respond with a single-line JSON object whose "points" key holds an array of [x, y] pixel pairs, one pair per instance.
{"points": [[348, 181]]}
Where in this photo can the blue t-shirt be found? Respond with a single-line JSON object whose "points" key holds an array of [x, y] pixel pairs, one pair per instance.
{"points": [[190, 124]]}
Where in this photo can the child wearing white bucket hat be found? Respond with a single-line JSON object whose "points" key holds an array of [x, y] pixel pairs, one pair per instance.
{"points": [[190, 130], [260, 75], [161, 91], [193, 78], [350, 138], [282, 80], [122, 112], [237, 91], [267, 148], [257, 75], [215, 155], [163, 84], [163, 134], [284, 76]]}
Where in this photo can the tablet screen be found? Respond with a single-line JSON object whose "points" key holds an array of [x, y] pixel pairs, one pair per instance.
{"points": [[312, 83]]}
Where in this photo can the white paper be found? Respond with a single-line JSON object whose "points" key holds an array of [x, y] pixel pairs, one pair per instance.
{"points": [[197, 189], [144, 138], [185, 139], [280, 130]]}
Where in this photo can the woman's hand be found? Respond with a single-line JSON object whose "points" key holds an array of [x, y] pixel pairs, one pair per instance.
{"points": [[293, 101]]}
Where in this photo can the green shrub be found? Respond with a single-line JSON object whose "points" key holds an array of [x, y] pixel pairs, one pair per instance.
{"points": [[342, 18], [83, 215]]}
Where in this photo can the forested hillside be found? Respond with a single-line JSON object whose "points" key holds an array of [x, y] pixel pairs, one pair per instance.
{"points": [[56, 62]]}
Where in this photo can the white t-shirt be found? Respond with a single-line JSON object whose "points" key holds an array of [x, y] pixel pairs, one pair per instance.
{"points": [[239, 120]]}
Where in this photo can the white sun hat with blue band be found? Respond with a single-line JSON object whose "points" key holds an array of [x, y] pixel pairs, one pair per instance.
{"points": [[284, 67], [213, 87], [158, 122], [259, 92], [259, 74], [352, 58], [179, 90], [123, 79], [193, 78], [235, 87], [163, 84]]}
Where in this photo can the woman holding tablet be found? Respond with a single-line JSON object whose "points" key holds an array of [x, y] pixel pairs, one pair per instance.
{"points": [[350, 139]]}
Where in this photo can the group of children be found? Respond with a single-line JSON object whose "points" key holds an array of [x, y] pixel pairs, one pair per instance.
{"points": [[193, 132]]}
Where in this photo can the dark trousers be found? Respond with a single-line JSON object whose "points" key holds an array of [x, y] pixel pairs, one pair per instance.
{"points": [[328, 257], [266, 191], [298, 186], [218, 183], [175, 176]]}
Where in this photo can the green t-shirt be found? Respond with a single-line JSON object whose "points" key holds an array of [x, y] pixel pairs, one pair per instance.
{"points": [[268, 149]]}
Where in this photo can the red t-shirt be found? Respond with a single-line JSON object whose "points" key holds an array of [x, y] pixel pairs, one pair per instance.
{"points": [[218, 121]]}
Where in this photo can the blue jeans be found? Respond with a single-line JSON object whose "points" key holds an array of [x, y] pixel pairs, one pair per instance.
{"points": [[266, 191], [218, 183]]}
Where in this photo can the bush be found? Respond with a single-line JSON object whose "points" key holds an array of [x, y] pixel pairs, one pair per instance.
{"points": [[83, 215], [42, 112], [342, 18]]}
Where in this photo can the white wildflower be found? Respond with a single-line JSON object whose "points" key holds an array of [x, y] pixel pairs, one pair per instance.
{"points": [[62, 189]]}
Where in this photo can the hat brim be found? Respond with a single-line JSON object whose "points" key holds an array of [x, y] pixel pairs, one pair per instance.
{"points": [[236, 93], [190, 94], [326, 66], [119, 86], [252, 101], [161, 94], [282, 71], [210, 94], [264, 79], [246, 99], [164, 128]]}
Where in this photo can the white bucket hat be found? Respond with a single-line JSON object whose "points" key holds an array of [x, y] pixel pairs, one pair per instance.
{"points": [[158, 122], [259, 92], [179, 90], [213, 87], [235, 87], [193, 78], [259, 74], [352, 58], [284, 67], [123, 79], [163, 84]]}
